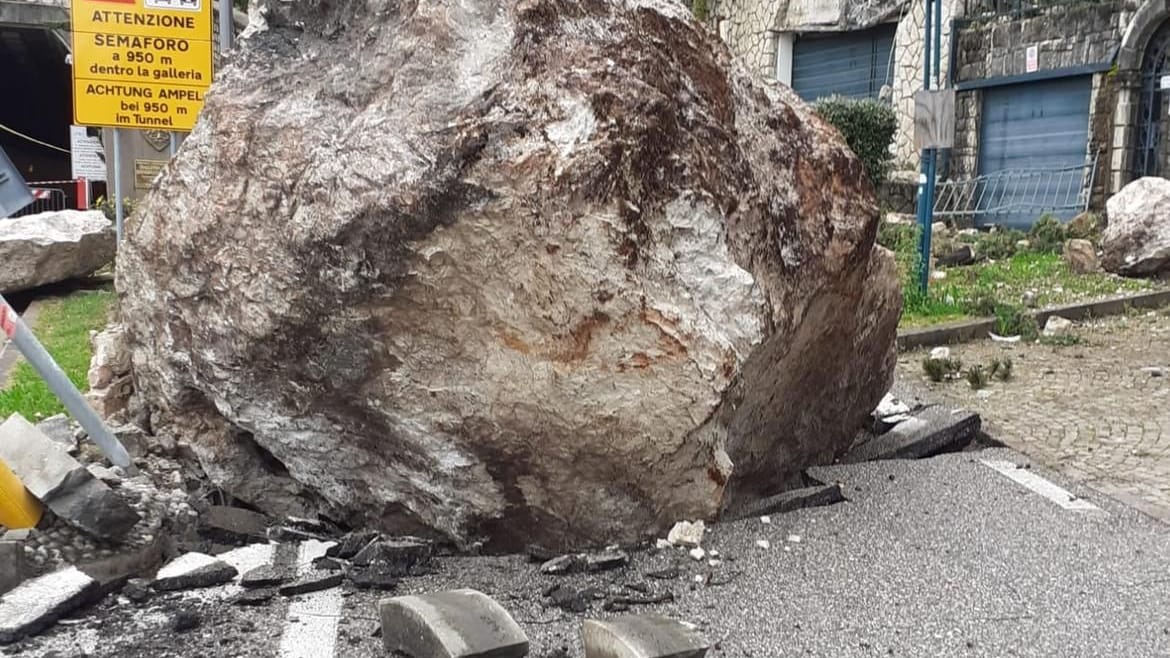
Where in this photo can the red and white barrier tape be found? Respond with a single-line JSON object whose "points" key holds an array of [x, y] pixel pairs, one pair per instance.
{"points": [[7, 320]]}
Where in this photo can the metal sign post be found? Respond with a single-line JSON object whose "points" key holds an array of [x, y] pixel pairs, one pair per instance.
{"points": [[931, 53], [118, 217], [13, 327]]}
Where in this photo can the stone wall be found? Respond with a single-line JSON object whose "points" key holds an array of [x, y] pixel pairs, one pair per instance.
{"points": [[747, 26], [1066, 36]]}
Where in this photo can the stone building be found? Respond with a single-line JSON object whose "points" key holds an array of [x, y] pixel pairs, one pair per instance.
{"points": [[1063, 102]]}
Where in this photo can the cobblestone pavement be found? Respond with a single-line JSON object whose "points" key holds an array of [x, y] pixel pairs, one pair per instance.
{"points": [[1088, 410]]}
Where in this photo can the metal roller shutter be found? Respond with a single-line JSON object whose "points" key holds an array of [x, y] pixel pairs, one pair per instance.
{"points": [[1041, 131], [853, 64]]}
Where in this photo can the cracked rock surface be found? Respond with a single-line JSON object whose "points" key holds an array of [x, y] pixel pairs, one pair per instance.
{"points": [[516, 271]]}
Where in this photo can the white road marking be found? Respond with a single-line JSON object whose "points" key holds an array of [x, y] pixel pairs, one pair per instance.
{"points": [[1039, 485], [310, 631]]}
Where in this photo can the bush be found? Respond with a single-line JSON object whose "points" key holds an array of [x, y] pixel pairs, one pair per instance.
{"points": [[108, 208], [977, 377], [1047, 236], [868, 128], [998, 245], [1012, 320]]}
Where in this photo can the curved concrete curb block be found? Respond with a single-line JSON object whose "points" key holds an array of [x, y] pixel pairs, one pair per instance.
{"points": [[460, 623], [642, 636]]}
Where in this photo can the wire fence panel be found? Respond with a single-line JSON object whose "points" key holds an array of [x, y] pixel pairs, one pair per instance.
{"points": [[45, 199], [1017, 197]]}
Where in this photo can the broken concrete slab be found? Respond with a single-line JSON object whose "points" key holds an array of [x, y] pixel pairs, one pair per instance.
{"points": [[193, 570], [62, 483], [931, 431], [264, 576], [234, 524], [461, 623], [400, 556], [13, 570], [642, 636], [788, 501], [314, 581], [38, 603], [253, 597]]}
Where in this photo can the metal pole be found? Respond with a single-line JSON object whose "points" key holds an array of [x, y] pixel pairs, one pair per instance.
{"points": [[47, 368], [938, 44], [925, 178], [118, 184], [225, 26], [173, 140]]}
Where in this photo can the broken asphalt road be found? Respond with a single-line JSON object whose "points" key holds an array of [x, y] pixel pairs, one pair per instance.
{"points": [[937, 557]]}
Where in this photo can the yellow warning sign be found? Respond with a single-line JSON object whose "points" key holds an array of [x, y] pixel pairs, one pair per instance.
{"points": [[141, 63], [137, 105]]}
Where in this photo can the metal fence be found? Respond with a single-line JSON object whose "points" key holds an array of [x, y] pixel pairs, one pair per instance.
{"points": [[1017, 197], [51, 195], [990, 9]]}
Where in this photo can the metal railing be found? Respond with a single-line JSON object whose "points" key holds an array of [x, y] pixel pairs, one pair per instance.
{"points": [[1017, 196], [985, 9], [45, 199]]}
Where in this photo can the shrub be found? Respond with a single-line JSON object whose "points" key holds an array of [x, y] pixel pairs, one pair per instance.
{"points": [[1001, 369], [1047, 236], [998, 245], [1012, 320], [111, 212], [939, 369], [868, 128], [977, 377], [898, 238]]}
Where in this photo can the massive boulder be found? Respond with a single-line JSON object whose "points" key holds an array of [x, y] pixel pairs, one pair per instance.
{"points": [[1136, 239], [51, 247], [506, 271]]}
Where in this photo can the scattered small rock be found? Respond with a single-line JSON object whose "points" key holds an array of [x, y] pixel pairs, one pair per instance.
{"points": [[795, 539], [669, 573], [1155, 371], [137, 590], [697, 554], [939, 354], [539, 554], [686, 533], [186, 620], [400, 556], [373, 577], [766, 520], [763, 543], [1056, 325]]}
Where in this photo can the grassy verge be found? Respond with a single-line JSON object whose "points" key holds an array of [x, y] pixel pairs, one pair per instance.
{"points": [[1009, 278], [63, 327]]}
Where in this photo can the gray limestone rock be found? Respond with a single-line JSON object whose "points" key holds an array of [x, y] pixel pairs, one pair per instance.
{"points": [[38, 603], [456, 624], [53, 246], [193, 570], [1136, 239], [596, 278]]}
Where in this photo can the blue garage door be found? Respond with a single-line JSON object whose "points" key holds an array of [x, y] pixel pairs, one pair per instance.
{"points": [[1035, 137], [853, 64]]}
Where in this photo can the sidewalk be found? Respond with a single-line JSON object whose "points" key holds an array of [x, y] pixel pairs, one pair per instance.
{"points": [[1098, 412]]}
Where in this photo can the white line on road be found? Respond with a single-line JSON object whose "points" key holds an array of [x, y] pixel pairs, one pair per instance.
{"points": [[1039, 485], [244, 559], [310, 631]]}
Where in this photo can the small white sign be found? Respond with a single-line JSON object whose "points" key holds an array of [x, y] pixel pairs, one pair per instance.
{"points": [[182, 5], [1164, 82], [86, 153], [1032, 63]]}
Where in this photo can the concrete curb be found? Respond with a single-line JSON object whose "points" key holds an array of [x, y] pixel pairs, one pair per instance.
{"points": [[969, 330]]}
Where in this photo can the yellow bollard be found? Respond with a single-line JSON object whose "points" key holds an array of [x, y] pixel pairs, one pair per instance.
{"points": [[18, 508]]}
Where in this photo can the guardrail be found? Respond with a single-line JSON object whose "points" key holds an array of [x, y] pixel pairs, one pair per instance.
{"points": [[1017, 196]]}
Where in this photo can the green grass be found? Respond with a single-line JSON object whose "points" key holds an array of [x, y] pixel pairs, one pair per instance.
{"points": [[1006, 281], [63, 327]]}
